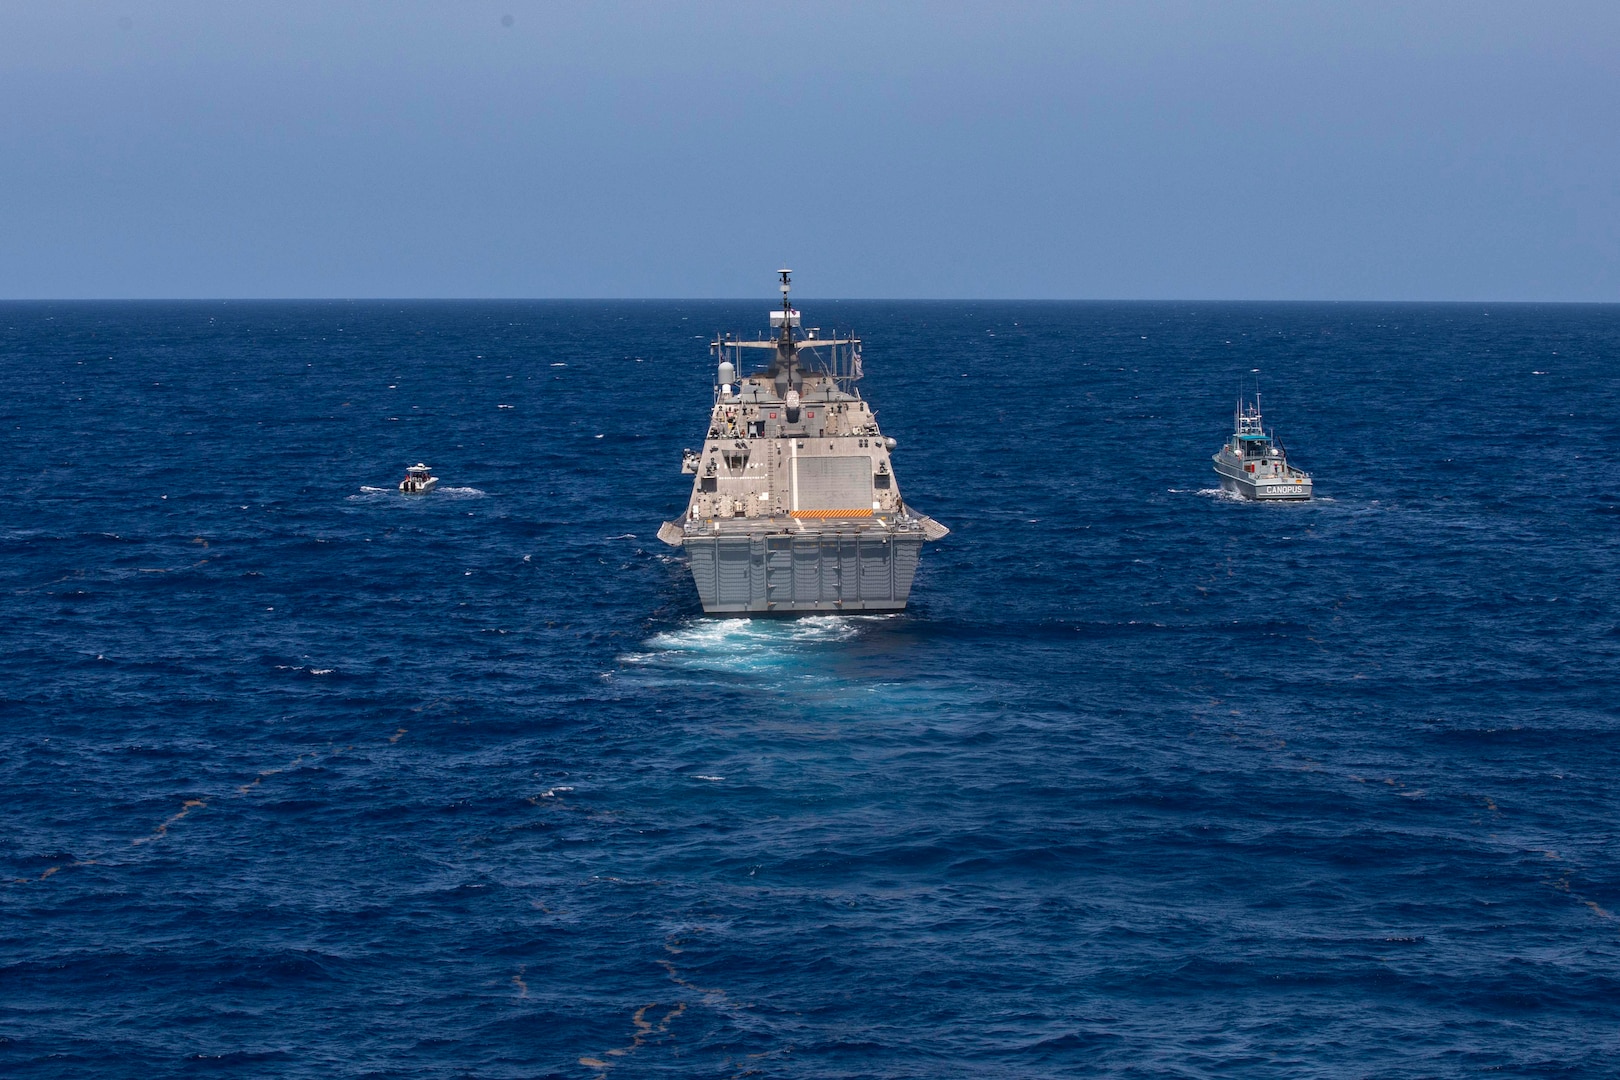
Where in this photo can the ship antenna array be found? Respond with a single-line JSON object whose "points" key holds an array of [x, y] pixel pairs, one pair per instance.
{"points": [[787, 306], [786, 340]]}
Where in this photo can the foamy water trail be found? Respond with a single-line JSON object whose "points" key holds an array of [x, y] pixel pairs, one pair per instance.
{"points": [[815, 659], [742, 646], [368, 493]]}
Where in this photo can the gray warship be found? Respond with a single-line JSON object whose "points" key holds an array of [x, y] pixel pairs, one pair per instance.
{"points": [[1254, 465], [795, 508]]}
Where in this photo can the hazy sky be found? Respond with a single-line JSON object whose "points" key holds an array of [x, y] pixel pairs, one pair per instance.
{"points": [[1289, 150]]}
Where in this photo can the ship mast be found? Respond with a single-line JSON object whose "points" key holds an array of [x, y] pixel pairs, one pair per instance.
{"points": [[784, 344], [786, 348], [786, 340]]}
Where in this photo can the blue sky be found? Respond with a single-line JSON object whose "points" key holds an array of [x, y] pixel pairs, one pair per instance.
{"points": [[1429, 151]]}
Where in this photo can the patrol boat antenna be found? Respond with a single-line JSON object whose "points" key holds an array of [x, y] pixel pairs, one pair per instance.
{"points": [[794, 506]]}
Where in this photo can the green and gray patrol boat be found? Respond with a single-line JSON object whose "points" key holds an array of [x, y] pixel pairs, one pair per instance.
{"points": [[1253, 464], [795, 508]]}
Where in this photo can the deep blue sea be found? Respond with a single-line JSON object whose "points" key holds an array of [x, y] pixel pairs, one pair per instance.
{"points": [[305, 778]]}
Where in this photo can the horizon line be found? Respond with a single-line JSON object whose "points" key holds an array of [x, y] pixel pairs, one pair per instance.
{"points": [[756, 299]]}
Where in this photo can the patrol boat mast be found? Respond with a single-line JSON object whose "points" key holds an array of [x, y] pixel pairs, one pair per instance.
{"points": [[794, 507]]}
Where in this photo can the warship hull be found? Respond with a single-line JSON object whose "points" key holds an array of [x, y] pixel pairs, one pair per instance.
{"points": [[803, 574]]}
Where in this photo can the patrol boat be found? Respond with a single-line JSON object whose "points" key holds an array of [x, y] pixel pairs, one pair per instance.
{"points": [[1252, 463], [795, 508]]}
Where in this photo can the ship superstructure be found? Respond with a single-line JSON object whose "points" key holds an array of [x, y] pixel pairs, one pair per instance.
{"points": [[1253, 463], [795, 507]]}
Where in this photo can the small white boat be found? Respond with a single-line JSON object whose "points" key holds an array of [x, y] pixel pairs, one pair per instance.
{"points": [[418, 480]]}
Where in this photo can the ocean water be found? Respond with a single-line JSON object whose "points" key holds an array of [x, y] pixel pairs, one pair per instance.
{"points": [[305, 778]]}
